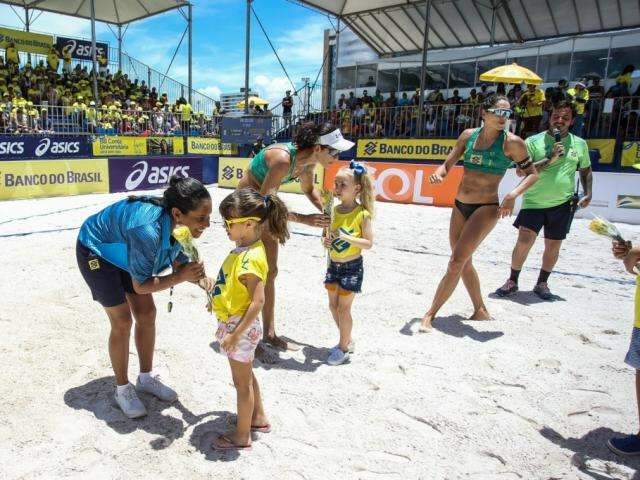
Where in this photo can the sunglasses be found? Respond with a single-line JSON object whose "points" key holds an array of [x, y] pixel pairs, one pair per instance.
{"points": [[501, 112], [230, 221]]}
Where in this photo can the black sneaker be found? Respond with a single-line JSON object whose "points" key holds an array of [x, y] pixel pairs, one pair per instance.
{"points": [[542, 290], [509, 287]]}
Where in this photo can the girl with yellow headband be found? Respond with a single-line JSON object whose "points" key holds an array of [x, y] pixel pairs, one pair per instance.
{"points": [[237, 299]]}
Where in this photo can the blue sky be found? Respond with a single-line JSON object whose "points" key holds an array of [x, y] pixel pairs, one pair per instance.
{"points": [[218, 43]]}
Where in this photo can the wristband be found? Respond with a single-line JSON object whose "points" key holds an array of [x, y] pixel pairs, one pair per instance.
{"points": [[526, 163]]}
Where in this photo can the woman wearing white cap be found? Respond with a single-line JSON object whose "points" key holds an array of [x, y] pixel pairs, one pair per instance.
{"points": [[283, 163]]}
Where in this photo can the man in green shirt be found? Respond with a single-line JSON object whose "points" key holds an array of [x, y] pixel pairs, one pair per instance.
{"points": [[550, 202]]}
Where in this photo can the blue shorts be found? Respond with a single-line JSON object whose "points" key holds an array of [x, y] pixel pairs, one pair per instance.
{"points": [[633, 355], [347, 275]]}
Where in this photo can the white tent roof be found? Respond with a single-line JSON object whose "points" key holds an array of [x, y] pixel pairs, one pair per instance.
{"points": [[118, 12], [396, 27]]}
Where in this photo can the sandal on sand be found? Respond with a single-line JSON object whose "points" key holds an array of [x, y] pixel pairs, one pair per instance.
{"points": [[232, 420], [223, 443]]}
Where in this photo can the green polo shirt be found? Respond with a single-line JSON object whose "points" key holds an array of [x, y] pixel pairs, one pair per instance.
{"points": [[556, 183]]}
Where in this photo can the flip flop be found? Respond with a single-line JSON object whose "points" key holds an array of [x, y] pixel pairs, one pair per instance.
{"points": [[228, 444], [232, 420]]}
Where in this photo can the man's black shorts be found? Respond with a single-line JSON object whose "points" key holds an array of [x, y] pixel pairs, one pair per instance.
{"points": [[108, 283], [555, 220]]}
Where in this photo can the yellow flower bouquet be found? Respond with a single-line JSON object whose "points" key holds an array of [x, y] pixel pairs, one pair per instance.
{"points": [[183, 236], [327, 209], [605, 228]]}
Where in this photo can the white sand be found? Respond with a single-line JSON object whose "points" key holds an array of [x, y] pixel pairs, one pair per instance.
{"points": [[534, 394]]}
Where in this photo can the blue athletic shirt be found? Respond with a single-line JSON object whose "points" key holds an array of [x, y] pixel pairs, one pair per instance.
{"points": [[134, 236]]}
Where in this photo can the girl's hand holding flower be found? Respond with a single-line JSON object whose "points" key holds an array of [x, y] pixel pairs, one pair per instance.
{"points": [[206, 284]]}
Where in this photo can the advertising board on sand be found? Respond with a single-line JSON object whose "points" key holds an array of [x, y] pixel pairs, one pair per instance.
{"points": [[109, 146], [49, 178], [165, 145], [231, 170], [406, 183], [126, 174], [210, 146], [405, 148], [14, 147]]}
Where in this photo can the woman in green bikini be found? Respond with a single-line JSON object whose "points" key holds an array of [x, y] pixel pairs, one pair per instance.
{"points": [[488, 152], [283, 163]]}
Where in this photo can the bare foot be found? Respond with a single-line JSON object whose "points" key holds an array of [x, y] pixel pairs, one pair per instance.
{"points": [[481, 314], [425, 324], [276, 342], [231, 441]]}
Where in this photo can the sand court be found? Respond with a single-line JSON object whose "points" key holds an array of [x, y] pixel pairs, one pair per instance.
{"points": [[533, 394]]}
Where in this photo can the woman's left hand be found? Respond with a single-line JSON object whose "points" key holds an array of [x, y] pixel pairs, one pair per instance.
{"points": [[317, 220], [507, 206]]}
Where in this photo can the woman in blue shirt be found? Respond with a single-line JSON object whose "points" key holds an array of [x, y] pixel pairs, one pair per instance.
{"points": [[121, 252]]}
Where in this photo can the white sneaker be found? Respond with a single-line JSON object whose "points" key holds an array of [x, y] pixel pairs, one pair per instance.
{"points": [[337, 356], [155, 387], [129, 402], [351, 348]]}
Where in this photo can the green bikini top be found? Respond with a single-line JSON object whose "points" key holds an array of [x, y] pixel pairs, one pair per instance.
{"points": [[492, 160], [258, 164]]}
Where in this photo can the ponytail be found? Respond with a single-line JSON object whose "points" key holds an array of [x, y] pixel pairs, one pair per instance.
{"points": [[361, 177], [183, 193], [270, 209], [277, 217]]}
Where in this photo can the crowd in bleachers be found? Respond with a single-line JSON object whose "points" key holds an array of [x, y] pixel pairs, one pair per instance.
{"points": [[57, 96], [393, 116]]}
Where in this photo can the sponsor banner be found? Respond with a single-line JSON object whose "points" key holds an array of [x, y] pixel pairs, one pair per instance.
{"points": [[49, 178], [80, 49], [165, 145], [231, 170], [405, 148], [26, 41], [150, 173], [630, 154], [245, 130], [628, 201], [210, 146], [606, 146], [13, 147], [406, 183], [109, 146]]}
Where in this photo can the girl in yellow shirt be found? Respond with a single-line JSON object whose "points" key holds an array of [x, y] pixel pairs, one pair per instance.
{"points": [[237, 299], [351, 232]]}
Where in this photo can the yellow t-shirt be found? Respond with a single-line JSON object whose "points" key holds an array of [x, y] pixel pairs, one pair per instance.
{"points": [[12, 55], [584, 95], [230, 296], [53, 60], [186, 110], [351, 224], [636, 323], [533, 105]]}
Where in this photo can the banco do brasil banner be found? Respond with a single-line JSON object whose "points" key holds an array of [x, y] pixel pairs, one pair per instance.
{"points": [[210, 146], [26, 41], [630, 154], [405, 149], [80, 49], [231, 170], [14, 147], [126, 174], [48, 178], [109, 146]]}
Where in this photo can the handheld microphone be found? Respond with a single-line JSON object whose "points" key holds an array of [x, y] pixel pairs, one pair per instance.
{"points": [[556, 135]]}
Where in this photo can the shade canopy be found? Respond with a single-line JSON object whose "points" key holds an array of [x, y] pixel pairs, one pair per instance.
{"points": [[396, 27], [512, 73], [117, 12]]}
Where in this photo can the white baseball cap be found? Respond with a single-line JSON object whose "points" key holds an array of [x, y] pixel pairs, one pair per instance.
{"points": [[335, 140]]}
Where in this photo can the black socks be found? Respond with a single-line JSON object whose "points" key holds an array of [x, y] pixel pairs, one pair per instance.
{"points": [[544, 276], [514, 276]]}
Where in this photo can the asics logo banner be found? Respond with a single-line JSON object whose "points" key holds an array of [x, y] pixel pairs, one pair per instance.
{"points": [[11, 148], [154, 175], [60, 148]]}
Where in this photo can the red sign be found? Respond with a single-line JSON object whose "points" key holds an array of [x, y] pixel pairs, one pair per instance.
{"points": [[406, 183]]}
